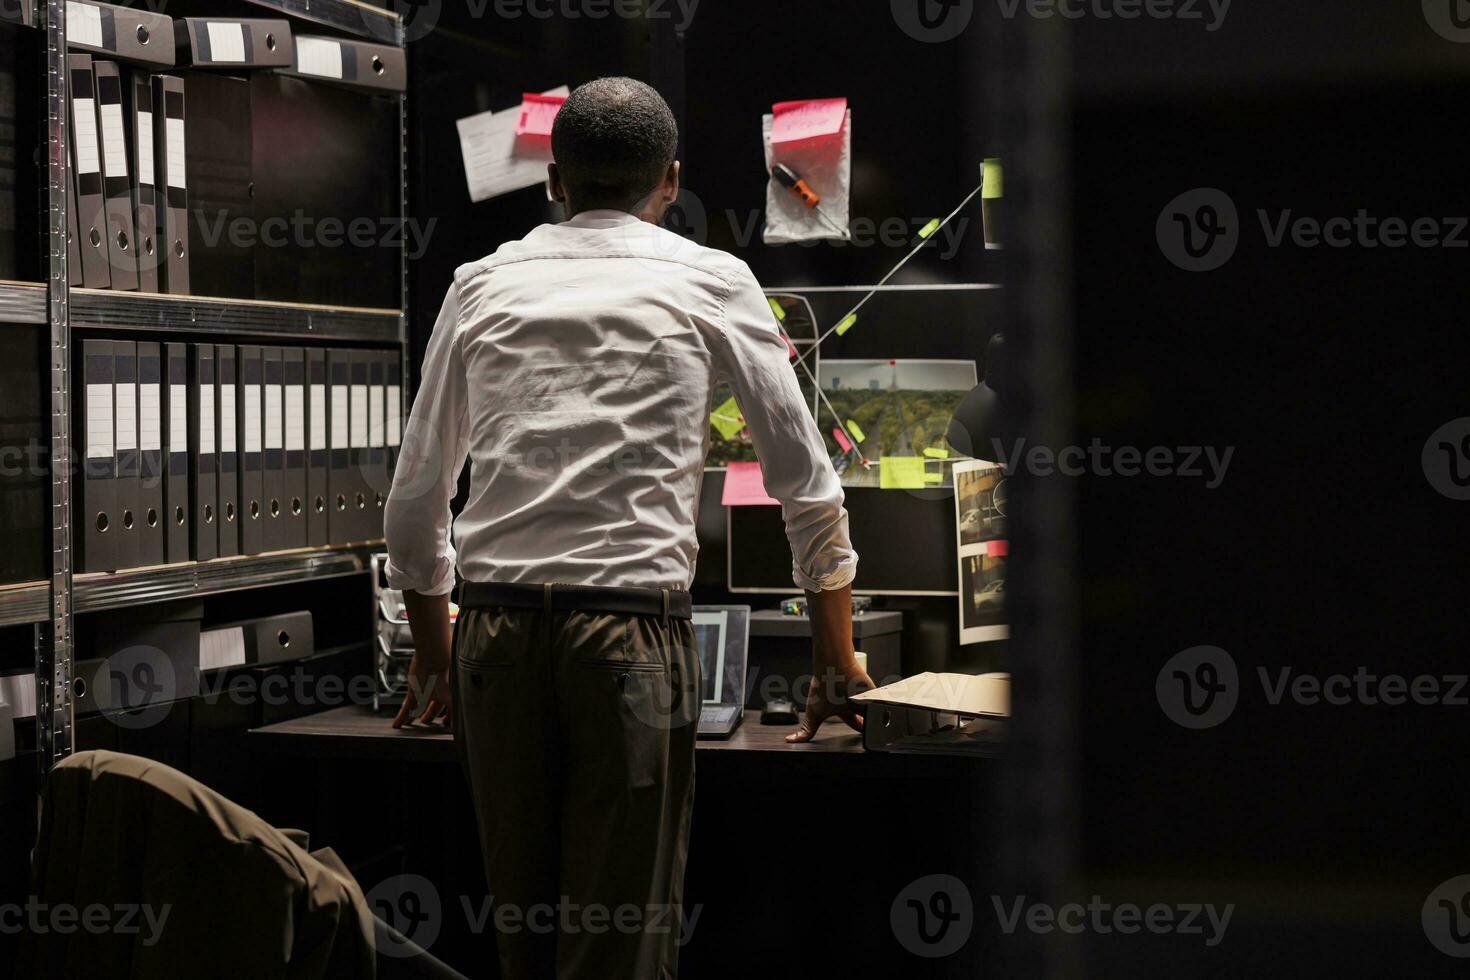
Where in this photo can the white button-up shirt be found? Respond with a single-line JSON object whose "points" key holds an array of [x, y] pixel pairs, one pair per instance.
{"points": [[575, 368]]}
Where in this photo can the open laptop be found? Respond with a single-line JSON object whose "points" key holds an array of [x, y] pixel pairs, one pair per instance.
{"points": [[722, 634]]}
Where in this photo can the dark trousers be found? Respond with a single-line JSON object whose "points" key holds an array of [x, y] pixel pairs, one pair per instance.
{"points": [[576, 731]]}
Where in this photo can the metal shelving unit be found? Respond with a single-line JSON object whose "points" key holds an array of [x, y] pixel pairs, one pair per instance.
{"points": [[191, 314], [51, 605], [101, 591], [352, 16], [23, 302]]}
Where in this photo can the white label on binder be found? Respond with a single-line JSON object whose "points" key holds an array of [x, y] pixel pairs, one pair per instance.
{"points": [[359, 416], [175, 133], [206, 418], [150, 418], [318, 56], [84, 116], [375, 406], [99, 421], [145, 148], [114, 140], [318, 417], [273, 416], [395, 415], [252, 418], [178, 419], [295, 418], [339, 417], [222, 648], [226, 41], [227, 437], [83, 24], [127, 416]]}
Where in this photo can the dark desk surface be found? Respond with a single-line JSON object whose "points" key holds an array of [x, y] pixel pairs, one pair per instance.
{"points": [[355, 732]]}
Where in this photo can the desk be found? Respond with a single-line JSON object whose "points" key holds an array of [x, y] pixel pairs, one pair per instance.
{"points": [[766, 814], [357, 732]]}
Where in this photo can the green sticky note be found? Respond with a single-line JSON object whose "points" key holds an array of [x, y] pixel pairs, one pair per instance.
{"points": [[726, 419], [930, 228], [901, 472], [856, 432], [937, 477], [776, 309], [991, 177], [846, 324], [937, 453]]}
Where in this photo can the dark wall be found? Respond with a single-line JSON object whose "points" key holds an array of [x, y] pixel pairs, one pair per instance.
{"points": [[1326, 549]]}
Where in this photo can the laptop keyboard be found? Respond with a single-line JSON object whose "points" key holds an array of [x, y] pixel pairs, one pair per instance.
{"points": [[717, 715]]}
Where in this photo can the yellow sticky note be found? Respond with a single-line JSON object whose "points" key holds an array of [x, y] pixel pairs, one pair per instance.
{"points": [[901, 472], [726, 418], [929, 229], [935, 477], [933, 453], [857, 433], [846, 324], [776, 309], [991, 177]]}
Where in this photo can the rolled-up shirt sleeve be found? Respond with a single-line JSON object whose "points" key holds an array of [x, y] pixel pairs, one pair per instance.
{"points": [[794, 462], [417, 520]]}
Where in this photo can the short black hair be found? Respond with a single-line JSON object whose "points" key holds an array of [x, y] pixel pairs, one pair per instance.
{"points": [[613, 141]]}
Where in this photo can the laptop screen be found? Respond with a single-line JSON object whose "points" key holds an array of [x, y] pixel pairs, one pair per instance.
{"points": [[720, 634]]}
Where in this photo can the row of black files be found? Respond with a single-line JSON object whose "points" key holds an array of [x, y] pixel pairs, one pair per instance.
{"points": [[128, 219], [202, 451]]}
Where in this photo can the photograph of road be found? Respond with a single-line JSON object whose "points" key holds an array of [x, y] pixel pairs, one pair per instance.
{"points": [[980, 527], [900, 408], [981, 496], [729, 439], [982, 596]]}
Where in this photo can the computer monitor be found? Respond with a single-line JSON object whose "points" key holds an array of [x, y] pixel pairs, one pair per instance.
{"points": [[905, 542]]}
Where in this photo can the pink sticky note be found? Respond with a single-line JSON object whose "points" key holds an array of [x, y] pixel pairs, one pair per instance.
{"points": [[807, 119], [744, 486], [790, 348], [997, 549], [538, 112], [842, 440]]}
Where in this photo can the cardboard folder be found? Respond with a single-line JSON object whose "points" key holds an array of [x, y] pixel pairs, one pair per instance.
{"points": [[393, 427], [171, 172], [340, 483], [120, 32], [152, 459], [86, 151], [274, 449], [353, 64], [248, 418], [97, 513], [376, 474], [318, 496], [125, 448], [176, 504], [203, 454], [117, 186], [229, 456], [221, 42], [361, 435], [139, 109], [293, 376]]}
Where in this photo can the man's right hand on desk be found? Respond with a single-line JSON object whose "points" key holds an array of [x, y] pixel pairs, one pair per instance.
{"points": [[836, 675]]}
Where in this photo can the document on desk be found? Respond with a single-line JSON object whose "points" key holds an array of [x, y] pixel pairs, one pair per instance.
{"points": [[495, 162], [974, 695]]}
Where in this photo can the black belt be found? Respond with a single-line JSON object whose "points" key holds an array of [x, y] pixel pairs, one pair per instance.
{"points": [[673, 603]]}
